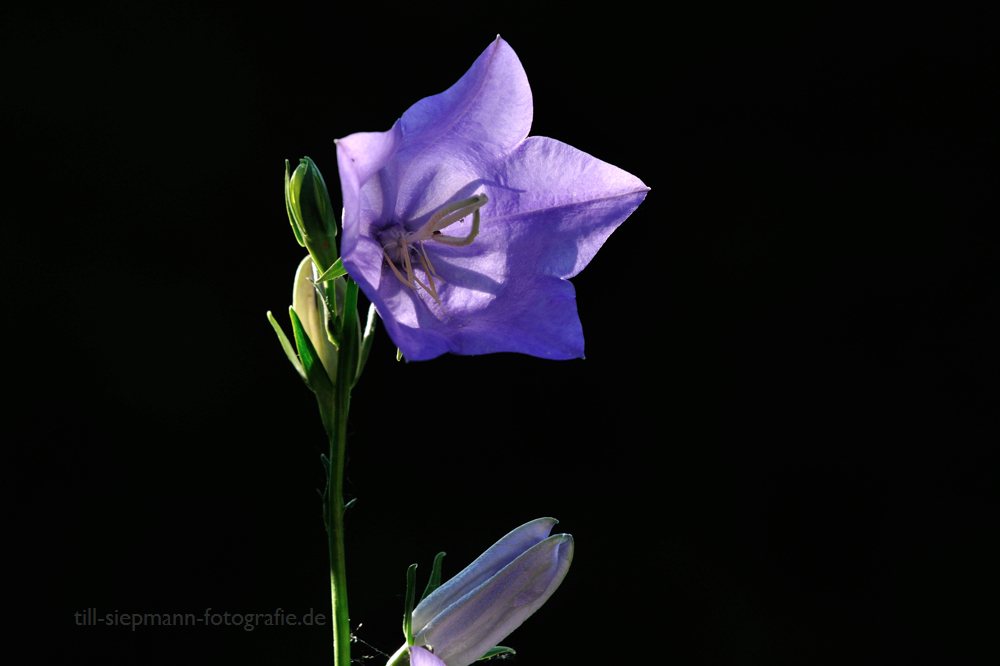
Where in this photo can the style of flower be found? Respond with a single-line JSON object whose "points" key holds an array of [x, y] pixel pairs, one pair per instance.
{"points": [[470, 614], [462, 231]]}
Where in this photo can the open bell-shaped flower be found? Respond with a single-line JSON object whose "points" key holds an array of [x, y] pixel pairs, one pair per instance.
{"points": [[470, 614], [463, 231]]}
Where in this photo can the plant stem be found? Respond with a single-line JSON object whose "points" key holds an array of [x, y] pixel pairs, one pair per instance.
{"points": [[334, 411]]}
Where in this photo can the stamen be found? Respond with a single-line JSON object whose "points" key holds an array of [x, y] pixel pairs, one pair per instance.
{"points": [[396, 271], [430, 278], [429, 264]]}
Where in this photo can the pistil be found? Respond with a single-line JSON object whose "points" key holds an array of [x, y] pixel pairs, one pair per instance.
{"points": [[446, 216]]}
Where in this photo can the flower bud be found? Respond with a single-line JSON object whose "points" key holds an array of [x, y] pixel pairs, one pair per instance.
{"points": [[313, 314], [311, 213], [468, 615]]}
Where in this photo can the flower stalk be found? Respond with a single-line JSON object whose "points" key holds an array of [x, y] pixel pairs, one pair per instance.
{"points": [[334, 410], [329, 355]]}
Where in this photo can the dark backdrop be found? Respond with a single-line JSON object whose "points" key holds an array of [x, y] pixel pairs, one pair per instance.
{"points": [[778, 449]]}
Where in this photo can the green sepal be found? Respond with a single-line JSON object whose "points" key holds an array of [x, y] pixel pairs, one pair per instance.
{"points": [[335, 271], [366, 341], [496, 652], [434, 582], [411, 592], [317, 378], [327, 293], [288, 209], [399, 354], [287, 346]]}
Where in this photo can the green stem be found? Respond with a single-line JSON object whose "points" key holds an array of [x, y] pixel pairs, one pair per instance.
{"points": [[334, 410]]}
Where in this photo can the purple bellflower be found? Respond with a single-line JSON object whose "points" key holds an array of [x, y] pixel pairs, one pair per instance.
{"points": [[467, 616], [463, 231]]}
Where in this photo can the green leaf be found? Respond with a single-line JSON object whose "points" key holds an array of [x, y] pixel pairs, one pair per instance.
{"points": [[335, 271], [411, 591], [496, 652], [287, 346], [435, 580], [288, 209], [317, 378]]}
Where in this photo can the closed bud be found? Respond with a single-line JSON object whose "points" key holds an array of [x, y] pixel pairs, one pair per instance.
{"points": [[310, 212], [311, 307], [466, 617]]}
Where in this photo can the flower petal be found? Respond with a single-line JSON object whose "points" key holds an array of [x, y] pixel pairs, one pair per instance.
{"points": [[467, 629], [449, 137], [359, 157], [421, 657], [499, 555]]}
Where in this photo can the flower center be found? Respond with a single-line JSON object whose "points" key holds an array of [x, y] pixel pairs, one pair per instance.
{"points": [[398, 244]]}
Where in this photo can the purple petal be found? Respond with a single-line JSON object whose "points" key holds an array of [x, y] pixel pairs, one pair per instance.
{"points": [[499, 555], [421, 657], [451, 136], [359, 157], [467, 629]]}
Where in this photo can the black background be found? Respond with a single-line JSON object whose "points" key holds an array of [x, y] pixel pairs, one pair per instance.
{"points": [[778, 449]]}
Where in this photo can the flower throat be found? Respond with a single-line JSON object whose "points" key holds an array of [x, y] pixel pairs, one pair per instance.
{"points": [[398, 244]]}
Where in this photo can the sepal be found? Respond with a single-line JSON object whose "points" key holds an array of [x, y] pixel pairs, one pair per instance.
{"points": [[434, 582], [411, 592], [335, 271], [287, 346], [366, 341], [497, 651], [316, 378]]}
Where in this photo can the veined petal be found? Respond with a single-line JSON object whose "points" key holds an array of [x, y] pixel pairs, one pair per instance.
{"points": [[498, 556], [359, 157], [451, 136], [421, 657], [558, 204], [467, 629]]}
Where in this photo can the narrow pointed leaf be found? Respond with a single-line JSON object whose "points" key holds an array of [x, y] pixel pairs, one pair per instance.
{"points": [[287, 346]]}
